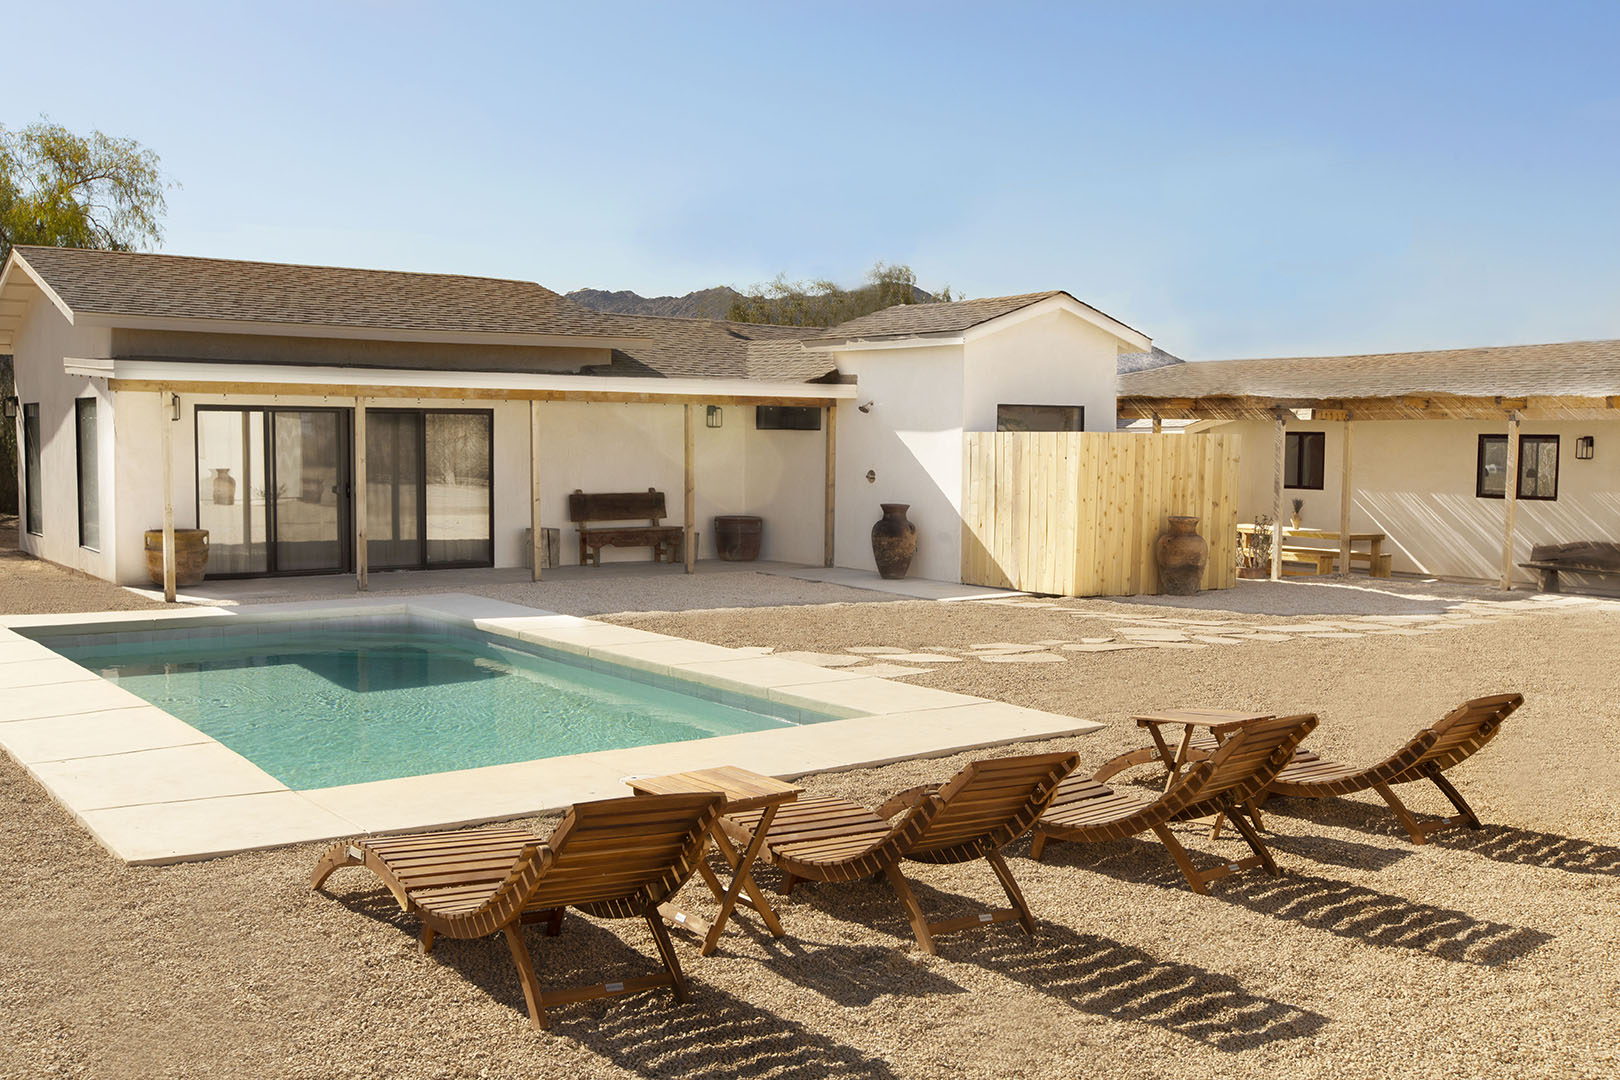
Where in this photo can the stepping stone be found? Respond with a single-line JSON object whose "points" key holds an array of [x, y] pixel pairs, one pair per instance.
{"points": [[1195, 622], [1330, 634], [922, 658], [1006, 647], [1214, 639], [1261, 636], [1102, 646], [1153, 635], [820, 659], [889, 671], [1095, 640], [1025, 658], [1401, 631], [1054, 641], [1178, 645], [876, 650]]}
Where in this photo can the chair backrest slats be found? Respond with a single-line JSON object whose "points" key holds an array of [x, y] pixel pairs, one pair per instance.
{"points": [[1248, 760], [990, 803]]}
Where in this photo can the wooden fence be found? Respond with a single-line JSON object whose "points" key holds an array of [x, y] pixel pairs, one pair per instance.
{"points": [[1078, 513]]}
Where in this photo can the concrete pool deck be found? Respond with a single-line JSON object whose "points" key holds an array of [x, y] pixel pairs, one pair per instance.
{"points": [[153, 789]]}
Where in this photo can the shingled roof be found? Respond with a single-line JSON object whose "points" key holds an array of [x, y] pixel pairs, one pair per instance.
{"points": [[1566, 369], [120, 283], [948, 317], [712, 348]]}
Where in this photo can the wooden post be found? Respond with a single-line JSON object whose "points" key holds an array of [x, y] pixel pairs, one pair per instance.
{"points": [[166, 419], [537, 536], [362, 564], [830, 495], [1277, 498], [691, 502], [1510, 499], [1344, 505], [1158, 424]]}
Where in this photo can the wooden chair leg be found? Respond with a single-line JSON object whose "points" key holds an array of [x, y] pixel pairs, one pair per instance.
{"points": [[525, 966], [1037, 845], [1402, 814], [1255, 843], [1195, 881], [666, 950], [1010, 887], [554, 922], [919, 922], [426, 940], [1457, 800]]}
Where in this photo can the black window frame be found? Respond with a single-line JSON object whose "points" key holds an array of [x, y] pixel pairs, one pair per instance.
{"points": [[79, 408], [787, 417], [33, 464], [1078, 410], [1300, 440], [1486, 439], [421, 509]]}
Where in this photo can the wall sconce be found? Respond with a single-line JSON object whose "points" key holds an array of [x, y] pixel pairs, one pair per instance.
{"points": [[715, 416], [11, 407], [1584, 446], [867, 407], [174, 406]]}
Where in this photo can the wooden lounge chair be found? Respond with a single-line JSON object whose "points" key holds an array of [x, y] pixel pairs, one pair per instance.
{"points": [[986, 806], [1463, 732], [1226, 782], [613, 859]]}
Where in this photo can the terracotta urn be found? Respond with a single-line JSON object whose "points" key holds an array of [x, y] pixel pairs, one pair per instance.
{"points": [[190, 556], [894, 541], [224, 488], [1181, 555]]}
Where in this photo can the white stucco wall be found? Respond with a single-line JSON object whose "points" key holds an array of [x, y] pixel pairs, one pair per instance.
{"points": [[1056, 358], [786, 485], [43, 339], [1414, 481]]}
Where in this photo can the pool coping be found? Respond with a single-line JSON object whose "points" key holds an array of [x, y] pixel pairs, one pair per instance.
{"points": [[153, 789]]}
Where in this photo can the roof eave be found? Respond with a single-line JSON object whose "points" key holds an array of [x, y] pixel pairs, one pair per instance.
{"points": [[364, 333]]}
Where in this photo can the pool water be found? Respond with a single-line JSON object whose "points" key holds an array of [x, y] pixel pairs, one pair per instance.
{"points": [[317, 708]]}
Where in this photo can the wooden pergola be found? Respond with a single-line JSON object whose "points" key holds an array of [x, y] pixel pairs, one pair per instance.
{"points": [[1509, 411], [357, 396]]}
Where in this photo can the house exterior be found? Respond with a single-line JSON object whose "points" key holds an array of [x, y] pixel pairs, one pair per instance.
{"points": [[328, 420], [1422, 443]]}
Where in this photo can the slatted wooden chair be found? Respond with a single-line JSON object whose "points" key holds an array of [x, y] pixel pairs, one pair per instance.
{"points": [[612, 859], [1426, 756], [982, 809], [1227, 782]]}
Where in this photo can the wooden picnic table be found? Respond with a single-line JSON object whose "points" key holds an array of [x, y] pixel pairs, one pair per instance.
{"points": [[744, 790], [1324, 557]]}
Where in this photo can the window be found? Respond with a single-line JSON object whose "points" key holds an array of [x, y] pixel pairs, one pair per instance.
{"points": [[84, 423], [787, 418], [1538, 467], [31, 478], [1040, 418], [429, 497], [1303, 455]]}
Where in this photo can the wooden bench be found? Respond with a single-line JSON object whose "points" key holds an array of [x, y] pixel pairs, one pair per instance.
{"points": [[667, 541], [1322, 559], [1582, 557]]}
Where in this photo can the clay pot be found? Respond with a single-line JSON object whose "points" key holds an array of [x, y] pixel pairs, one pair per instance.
{"points": [[224, 488], [894, 541], [190, 556], [737, 536], [1181, 554]]}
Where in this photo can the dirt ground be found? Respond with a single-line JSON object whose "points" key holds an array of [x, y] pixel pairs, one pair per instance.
{"points": [[31, 586], [1494, 953]]}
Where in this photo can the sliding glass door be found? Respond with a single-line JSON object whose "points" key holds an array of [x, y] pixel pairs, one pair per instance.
{"points": [[429, 499], [273, 490]]}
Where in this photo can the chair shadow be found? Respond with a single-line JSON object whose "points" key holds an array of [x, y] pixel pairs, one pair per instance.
{"points": [[854, 976], [1338, 907], [649, 1033], [1499, 843], [1334, 852]]}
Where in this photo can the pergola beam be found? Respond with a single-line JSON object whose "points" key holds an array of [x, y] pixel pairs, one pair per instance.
{"points": [[1397, 407]]}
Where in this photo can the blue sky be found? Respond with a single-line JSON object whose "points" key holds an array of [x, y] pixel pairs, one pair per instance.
{"points": [[1235, 179]]}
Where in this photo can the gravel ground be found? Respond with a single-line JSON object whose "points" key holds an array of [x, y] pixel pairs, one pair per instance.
{"points": [[30, 586], [1482, 954]]}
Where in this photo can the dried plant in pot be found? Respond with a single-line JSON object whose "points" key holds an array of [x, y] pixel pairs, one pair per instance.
{"points": [[1254, 553], [1299, 508]]}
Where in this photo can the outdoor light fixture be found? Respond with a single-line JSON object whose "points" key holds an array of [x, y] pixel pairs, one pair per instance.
{"points": [[1583, 445], [715, 417], [11, 407], [174, 406]]}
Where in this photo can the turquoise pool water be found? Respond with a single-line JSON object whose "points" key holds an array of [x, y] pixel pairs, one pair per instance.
{"points": [[316, 708]]}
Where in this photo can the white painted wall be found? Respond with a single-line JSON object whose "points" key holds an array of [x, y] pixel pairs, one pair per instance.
{"points": [[912, 442], [1054, 358], [43, 339], [786, 486], [1414, 481]]}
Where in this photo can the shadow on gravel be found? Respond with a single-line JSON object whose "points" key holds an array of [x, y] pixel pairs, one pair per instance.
{"points": [[1346, 853], [854, 975]]}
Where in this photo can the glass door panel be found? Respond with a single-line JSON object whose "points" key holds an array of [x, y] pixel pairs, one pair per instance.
{"points": [[309, 463], [231, 496], [458, 487], [393, 489]]}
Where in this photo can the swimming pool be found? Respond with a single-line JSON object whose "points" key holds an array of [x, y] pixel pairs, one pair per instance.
{"points": [[320, 707]]}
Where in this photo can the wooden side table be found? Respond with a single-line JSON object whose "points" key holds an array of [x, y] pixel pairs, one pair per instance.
{"points": [[743, 790]]}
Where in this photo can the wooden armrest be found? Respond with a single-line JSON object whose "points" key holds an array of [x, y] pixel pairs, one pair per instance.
{"points": [[905, 800]]}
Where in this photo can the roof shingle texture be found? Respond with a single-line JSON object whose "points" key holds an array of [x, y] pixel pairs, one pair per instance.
{"points": [[175, 286], [1567, 369], [937, 318], [710, 348]]}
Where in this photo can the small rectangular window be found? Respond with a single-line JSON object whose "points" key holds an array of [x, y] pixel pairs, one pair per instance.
{"points": [[32, 490], [84, 422], [787, 418], [1040, 418], [1538, 467], [1304, 453]]}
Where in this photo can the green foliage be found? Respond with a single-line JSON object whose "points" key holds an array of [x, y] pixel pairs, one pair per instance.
{"points": [[825, 303], [66, 190]]}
